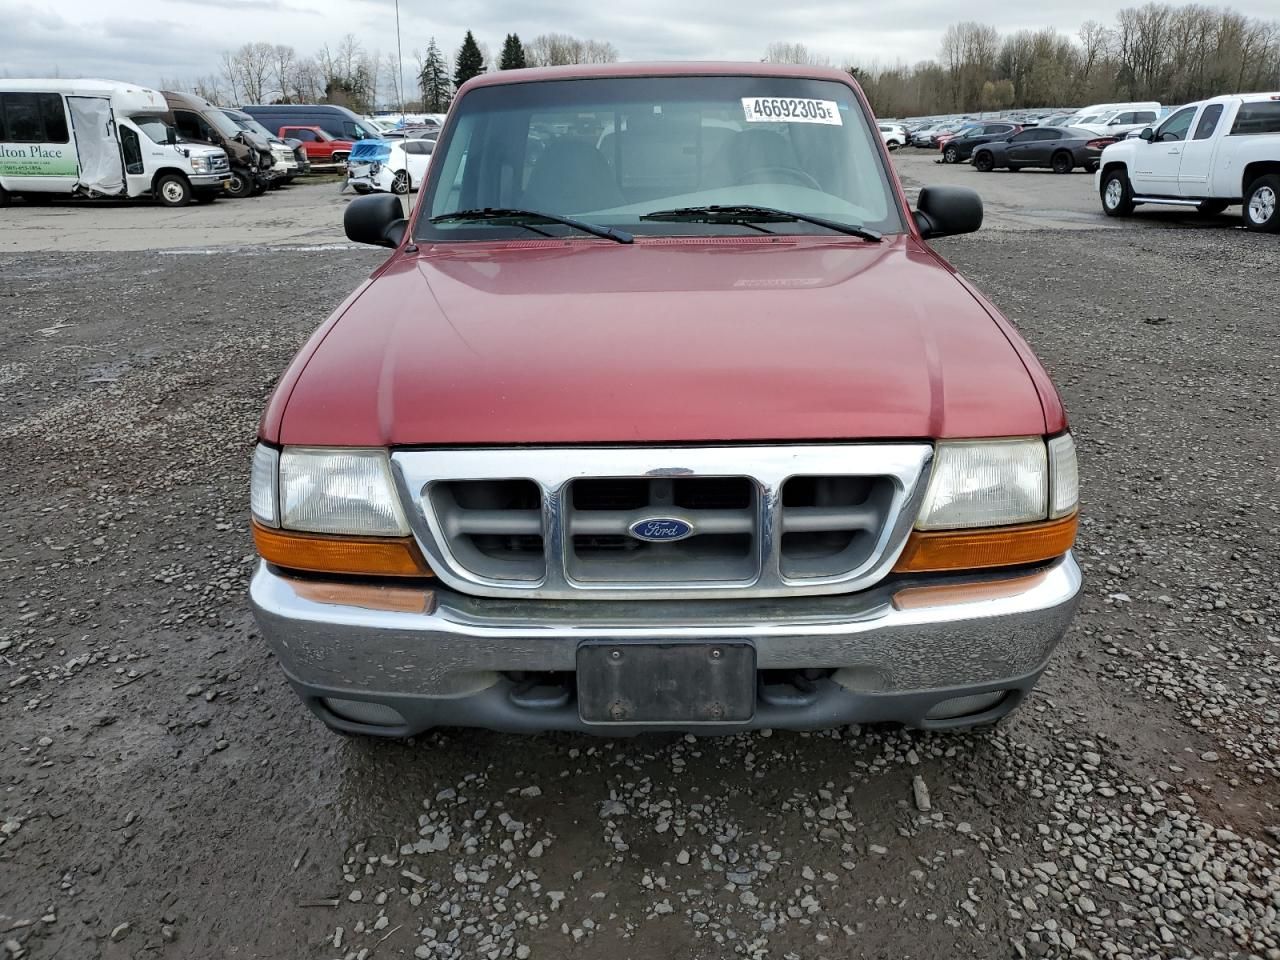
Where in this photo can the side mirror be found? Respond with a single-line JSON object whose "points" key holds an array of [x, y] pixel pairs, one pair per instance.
{"points": [[170, 136], [1147, 134], [377, 220], [946, 211]]}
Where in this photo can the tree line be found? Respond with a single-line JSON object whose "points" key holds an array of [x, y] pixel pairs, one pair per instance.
{"points": [[1171, 54], [364, 80]]}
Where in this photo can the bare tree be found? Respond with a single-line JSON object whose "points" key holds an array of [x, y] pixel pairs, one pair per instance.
{"points": [[782, 52], [284, 61], [230, 75], [559, 49]]}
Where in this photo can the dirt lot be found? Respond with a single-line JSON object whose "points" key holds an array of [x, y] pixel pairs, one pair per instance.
{"points": [[162, 793]]}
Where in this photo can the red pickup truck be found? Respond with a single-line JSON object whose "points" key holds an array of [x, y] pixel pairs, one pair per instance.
{"points": [[634, 430], [319, 145]]}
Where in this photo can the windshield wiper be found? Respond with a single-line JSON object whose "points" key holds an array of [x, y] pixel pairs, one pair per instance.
{"points": [[747, 214], [517, 215]]}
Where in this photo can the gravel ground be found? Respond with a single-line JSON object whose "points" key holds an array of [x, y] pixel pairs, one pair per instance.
{"points": [[162, 793]]}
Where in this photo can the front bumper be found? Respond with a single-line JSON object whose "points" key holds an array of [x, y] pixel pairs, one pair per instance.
{"points": [[410, 658], [209, 181]]}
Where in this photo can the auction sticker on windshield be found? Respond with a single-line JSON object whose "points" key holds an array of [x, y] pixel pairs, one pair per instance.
{"points": [[790, 110]]}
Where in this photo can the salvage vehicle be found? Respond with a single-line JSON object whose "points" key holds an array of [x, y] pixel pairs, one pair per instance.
{"points": [[1061, 149], [1207, 155], [99, 138], [318, 145], [960, 148], [389, 166], [288, 154], [894, 135], [647, 438], [251, 159]]}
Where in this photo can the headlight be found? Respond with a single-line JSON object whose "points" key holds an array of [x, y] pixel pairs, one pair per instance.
{"points": [[986, 483], [348, 492], [200, 165], [331, 511]]}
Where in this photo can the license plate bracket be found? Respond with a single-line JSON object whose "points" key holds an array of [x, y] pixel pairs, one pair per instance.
{"points": [[678, 683]]}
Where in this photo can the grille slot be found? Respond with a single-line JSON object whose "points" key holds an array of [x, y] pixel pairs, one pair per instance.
{"points": [[722, 510], [493, 527], [831, 524]]}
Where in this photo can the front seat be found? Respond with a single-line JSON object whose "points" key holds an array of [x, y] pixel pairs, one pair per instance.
{"points": [[571, 176]]}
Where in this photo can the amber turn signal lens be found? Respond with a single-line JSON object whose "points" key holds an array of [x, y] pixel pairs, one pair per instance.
{"points": [[360, 556], [936, 550]]}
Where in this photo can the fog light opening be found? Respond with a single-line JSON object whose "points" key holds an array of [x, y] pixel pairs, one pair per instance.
{"points": [[958, 707], [363, 711]]}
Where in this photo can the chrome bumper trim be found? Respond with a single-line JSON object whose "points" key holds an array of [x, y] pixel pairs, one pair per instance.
{"points": [[464, 642]]}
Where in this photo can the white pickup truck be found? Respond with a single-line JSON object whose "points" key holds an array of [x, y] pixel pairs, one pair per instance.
{"points": [[1206, 155]]}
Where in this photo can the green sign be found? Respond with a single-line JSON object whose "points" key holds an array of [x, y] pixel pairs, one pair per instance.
{"points": [[38, 160]]}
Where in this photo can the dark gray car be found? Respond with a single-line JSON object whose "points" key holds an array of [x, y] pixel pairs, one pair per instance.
{"points": [[1061, 149]]}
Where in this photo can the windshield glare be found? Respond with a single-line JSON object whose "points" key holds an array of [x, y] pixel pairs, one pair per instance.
{"points": [[614, 149]]}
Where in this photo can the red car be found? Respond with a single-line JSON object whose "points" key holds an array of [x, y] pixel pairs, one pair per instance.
{"points": [[319, 145], [634, 430]]}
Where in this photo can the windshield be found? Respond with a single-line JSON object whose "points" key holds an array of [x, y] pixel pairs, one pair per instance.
{"points": [[220, 122], [155, 129], [257, 128], [612, 150]]}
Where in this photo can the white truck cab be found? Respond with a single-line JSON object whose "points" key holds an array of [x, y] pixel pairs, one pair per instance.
{"points": [[1206, 155], [99, 138]]}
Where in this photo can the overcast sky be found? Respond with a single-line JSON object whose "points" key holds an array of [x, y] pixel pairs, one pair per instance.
{"points": [[145, 41]]}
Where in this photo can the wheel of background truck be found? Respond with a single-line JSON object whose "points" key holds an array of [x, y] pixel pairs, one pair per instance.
{"points": [[950, 155], [172, 190], [1262, 204], [983, 162], [239, 183], [260, 187], [1062, 162], [400, 182], [1211, 208], [1117, 195]]}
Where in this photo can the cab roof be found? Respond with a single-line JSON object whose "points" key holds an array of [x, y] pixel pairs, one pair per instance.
{"points": [[670, 68]]}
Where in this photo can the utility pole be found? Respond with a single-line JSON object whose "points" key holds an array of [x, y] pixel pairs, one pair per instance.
{"points": [[399, 65]]}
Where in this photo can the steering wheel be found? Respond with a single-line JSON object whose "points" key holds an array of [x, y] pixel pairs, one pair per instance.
{"points": [[794, 175]]}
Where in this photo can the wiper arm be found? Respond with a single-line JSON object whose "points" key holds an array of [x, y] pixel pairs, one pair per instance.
{"points": [[749, 213], [517, 215]]}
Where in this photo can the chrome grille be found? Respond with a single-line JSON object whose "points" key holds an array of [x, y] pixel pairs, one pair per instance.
{"points": [[220, 164], [765, 521]]}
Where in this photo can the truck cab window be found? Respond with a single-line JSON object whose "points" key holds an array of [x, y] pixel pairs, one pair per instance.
{"points": [[1208, 121], [131, 148], [1176, 127]]}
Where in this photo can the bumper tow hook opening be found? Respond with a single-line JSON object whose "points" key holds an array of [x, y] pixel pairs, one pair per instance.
{"points": [[541, 691]]}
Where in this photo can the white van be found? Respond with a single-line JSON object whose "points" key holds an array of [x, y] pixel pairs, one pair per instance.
{"points": [[1117, 119], [99, 138]]}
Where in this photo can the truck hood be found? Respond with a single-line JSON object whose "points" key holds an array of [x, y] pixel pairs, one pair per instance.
{"points": [[663, 341]]}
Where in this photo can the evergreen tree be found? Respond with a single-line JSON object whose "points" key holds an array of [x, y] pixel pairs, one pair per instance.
{"points": [[434, 80], [512, 54], [470, 61]]}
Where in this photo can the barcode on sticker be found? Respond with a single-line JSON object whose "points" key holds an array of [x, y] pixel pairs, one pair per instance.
{"points": [[790, 110]]}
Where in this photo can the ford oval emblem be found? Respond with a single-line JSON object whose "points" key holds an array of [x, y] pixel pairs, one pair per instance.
{"points": [[661, 529]]}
